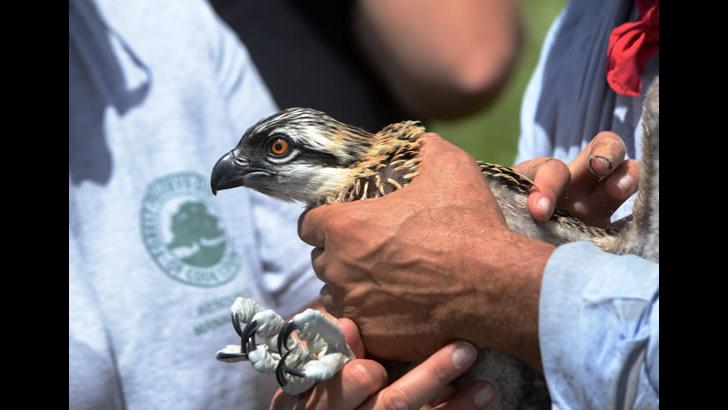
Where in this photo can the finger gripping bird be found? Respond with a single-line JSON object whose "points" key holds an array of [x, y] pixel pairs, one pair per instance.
{"points": [[301, 154]]}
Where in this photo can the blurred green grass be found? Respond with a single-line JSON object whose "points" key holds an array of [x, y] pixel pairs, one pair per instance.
{"points": [[492, 134]]}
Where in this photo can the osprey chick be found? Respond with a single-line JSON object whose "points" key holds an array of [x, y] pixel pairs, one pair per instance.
{"points": [[301, 154]]}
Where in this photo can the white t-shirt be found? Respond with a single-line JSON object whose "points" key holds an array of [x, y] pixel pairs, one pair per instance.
{"points": [[159, 91]]}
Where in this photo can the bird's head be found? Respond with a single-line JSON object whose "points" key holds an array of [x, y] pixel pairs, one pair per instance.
{"points": [[298, 154]]}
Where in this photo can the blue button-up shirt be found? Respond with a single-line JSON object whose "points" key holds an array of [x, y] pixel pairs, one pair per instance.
{"points": [[599, 313], [599, 323]]}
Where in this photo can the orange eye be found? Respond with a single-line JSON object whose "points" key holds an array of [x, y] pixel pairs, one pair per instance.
{"points": [[279, 146]]}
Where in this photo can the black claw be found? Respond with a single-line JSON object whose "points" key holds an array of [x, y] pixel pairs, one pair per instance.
{"points": [[236, 324], [295, 371], [248, 336], [279, 370], [282, 368], [284, 334], [225, 356]]}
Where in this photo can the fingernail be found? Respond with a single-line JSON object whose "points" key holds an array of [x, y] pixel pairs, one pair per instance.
{"points": [[484, 396], [626, 184], [579, 208], [463, 356], [544, 204], [600, 166]]}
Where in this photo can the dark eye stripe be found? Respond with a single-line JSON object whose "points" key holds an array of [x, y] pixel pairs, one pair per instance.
{"points": [[316, 157]]}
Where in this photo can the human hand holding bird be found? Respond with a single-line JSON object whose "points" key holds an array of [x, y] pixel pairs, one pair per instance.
{"points": [[413, 267]]}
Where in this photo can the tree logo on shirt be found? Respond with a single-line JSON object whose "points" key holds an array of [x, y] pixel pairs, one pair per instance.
{"points": [[182, 231]]}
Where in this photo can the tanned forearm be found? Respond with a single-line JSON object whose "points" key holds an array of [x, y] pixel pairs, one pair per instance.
{"points": [[513, 301], [440, 58]]}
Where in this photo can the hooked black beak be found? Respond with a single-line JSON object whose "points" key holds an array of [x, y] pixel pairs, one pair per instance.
{"points": [[225, 174], [229, 173]]}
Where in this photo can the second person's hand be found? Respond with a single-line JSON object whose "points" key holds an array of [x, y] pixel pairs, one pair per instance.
{"points": [[591, 187], [362, 383]]}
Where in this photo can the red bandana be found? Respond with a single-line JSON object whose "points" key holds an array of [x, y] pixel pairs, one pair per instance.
{"points": [[631, 45]]}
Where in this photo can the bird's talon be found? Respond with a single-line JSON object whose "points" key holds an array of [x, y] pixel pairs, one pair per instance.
{"points": [[283, 336], [223, 356], [282, 368], [236, 323], [248, 336]]}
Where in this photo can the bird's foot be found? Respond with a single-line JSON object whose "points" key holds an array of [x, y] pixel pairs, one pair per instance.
{"points": [[297, 366]]}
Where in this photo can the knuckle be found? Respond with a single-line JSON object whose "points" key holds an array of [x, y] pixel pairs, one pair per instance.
{"points": [[394, 398], [608, 142], [554, 168], [431, 136], [339, 224], [544, 160], [304, 225], [442, 374], [366, 377], [327, 301], [557, 165], [316, 254], [318, 260], [542, 163], [319, 267], [606, 137], [530, 167], [433, 142], [523, 167]]}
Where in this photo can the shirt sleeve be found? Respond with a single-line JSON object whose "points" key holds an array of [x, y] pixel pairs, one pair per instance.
{"points": [[599, 327]]}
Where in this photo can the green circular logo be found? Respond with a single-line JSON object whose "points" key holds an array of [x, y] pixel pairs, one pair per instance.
{"points": [[182, 231]]}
